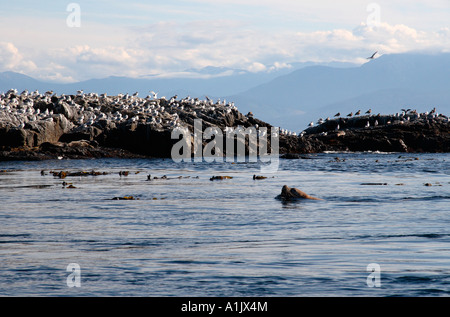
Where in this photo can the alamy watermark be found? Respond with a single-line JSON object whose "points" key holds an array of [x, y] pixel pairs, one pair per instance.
{"points": [[74, 278], [374, 17], [374, 278], [227, 146], [74, 18]]}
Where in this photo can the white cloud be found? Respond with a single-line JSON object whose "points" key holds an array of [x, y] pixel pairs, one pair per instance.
{"points": [[256, 67], [12, 59], [96, 50], [278, 65]]}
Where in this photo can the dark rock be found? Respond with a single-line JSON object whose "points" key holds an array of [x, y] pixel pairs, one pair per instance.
{"points": [[295, 156], [405, 137], [88, 133]]}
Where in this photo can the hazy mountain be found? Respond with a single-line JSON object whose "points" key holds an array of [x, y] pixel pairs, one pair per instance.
{"points": [[20, 82], [212, 81], [386, 85], [290, 97]]}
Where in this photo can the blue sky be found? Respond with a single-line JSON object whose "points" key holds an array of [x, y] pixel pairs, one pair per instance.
{"points": [[137, 38]]}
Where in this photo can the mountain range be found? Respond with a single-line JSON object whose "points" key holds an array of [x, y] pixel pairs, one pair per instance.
{"points": [[290, 97], [385, 85]]}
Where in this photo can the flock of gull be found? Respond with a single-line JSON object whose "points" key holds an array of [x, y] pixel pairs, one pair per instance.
{"points": [[87, 109], [405, 115], [83, 110]]}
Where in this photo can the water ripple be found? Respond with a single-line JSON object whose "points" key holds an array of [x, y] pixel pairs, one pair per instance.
{"points": [[189, 236]]}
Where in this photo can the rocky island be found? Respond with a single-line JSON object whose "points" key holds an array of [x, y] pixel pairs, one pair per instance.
{"points": [[37, 126], [405, 131]]}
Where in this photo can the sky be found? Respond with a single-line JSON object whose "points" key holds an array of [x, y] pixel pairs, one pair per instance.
{"points": [[65, 41]]}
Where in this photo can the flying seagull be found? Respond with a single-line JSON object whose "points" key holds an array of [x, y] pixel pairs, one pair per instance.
{"points": [[373, 55]]}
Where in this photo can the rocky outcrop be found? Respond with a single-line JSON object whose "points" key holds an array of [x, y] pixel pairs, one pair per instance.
{"points": [[402, 136], [42, 126], [32, 134]]}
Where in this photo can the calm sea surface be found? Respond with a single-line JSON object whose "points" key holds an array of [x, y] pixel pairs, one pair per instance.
{"points": [[185, 235]]}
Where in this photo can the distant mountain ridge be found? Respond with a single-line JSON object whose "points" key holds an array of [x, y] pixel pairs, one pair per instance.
{"points": [[210, 80], [385, 85], [291, 97], [215, 81]]}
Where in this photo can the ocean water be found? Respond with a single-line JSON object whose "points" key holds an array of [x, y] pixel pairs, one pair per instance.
{"points": [[185, 235]]}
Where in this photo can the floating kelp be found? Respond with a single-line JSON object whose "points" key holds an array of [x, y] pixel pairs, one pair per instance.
{"points": [[64, 174], [220, 178], [259, 177], [125, 198]]}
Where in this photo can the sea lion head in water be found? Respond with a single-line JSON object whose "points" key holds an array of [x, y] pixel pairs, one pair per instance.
{"points": [[294, 193]]}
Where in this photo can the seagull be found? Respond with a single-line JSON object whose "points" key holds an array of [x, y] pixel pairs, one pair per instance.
{"points": [[311, 124], [373, 55]]}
